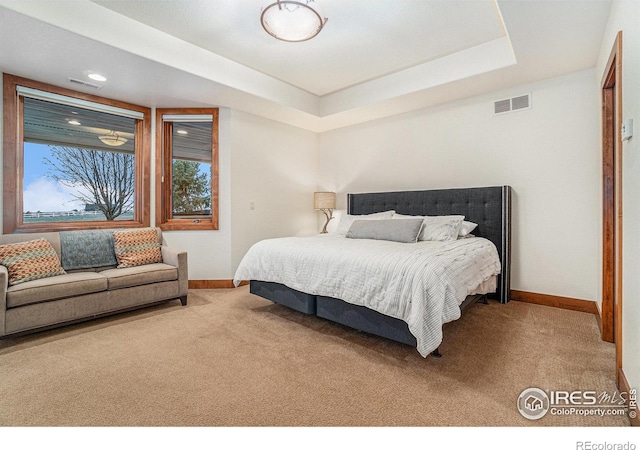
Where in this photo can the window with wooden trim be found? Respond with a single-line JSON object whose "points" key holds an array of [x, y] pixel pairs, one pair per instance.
{"points": [[187, 169], [72, 160]]}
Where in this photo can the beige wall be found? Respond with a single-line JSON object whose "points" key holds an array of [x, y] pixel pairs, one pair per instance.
{"points": [[265, 163], [625, 17], [274, 167], [209, 252], [549, 154], [1, 143]]}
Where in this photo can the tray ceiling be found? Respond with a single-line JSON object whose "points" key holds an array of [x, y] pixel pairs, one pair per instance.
{"points": [[374, 58]]}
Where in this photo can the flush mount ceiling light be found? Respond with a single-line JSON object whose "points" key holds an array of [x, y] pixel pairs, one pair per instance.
{"points": [[292, 21], [112, 139], [97, 77]]}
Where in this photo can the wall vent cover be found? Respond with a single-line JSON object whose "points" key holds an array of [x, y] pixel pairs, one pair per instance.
{"points": [[84, 83], [512, 104]]}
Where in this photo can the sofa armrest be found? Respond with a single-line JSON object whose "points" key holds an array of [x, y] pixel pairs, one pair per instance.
{"points": [[4, 283], [179, 260]]}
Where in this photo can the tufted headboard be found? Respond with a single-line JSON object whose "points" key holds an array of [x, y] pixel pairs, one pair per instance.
{"points": [[489, 207]]}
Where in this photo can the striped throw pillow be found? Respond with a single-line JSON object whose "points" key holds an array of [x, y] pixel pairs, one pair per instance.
{"points": [[136, 247], [31, 260]]}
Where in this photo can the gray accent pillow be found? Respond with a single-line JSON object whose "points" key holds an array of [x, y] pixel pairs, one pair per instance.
{"points": [[403, 230]]}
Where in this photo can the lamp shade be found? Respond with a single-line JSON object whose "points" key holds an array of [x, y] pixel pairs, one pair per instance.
{"points": [[324, 200]]}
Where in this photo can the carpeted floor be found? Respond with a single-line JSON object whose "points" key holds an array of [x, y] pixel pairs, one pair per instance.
{"points": [[232, 359]]}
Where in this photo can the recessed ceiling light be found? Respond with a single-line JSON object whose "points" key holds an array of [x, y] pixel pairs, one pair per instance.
{"points": [[97, 77], [73, 122], [182, 132]]}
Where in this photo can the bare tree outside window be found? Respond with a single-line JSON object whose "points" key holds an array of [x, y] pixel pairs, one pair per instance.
{"points": [[104, 179]]}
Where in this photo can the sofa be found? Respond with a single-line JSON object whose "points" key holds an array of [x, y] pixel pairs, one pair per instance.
{"points": [[56, 278]]}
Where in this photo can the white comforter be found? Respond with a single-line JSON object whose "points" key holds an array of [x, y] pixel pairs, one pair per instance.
{"points": [[422, 283]]}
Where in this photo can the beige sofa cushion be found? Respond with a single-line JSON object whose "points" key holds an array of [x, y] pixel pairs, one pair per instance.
{"points": [[139, 275], [52, 288]]}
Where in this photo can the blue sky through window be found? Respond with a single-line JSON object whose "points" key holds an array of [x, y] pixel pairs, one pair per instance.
{"points": [[34, 167], [42, 193]]}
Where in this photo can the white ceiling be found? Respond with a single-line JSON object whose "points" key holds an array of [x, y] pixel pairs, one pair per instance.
{"points": [[373, 59], [334, 60]]}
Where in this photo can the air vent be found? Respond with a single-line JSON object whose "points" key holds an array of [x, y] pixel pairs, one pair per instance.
{"points": [[84, 83], [502, 106], [512, 104]]}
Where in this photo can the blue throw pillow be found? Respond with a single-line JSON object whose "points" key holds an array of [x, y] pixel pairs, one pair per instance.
{"points": [[86, 249]]}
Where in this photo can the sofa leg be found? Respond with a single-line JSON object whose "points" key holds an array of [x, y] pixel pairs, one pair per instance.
{"points": [[183, 300]]}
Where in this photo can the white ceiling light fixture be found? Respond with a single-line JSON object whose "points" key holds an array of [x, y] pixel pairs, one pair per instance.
{"points": [[112, 139], [97, 77], [292, 21]]}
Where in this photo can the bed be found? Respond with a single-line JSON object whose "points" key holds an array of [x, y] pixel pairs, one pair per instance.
{"points": [[399, 291]]}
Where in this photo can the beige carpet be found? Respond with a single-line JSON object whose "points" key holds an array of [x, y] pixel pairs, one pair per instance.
{"points": [[233, 359]]}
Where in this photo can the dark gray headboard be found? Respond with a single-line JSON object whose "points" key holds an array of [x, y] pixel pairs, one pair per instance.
{"points": [[489, 207]]}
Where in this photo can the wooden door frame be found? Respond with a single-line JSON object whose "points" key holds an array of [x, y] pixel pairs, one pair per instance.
{"points": [[612, 201]]}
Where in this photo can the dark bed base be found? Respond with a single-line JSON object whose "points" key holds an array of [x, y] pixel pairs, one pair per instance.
{"points": [[369, 321], [339, 311], [279, 293], [489, 207]]}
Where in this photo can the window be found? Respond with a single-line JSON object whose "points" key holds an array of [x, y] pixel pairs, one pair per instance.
{"points": [[72, 160], [187, 169]]}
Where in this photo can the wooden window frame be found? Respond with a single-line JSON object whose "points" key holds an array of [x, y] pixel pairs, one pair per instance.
{"points": [[164, 216], [13, 164]]}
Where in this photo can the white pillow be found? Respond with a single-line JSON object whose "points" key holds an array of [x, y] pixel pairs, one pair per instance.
{"points": [[437, 228], [441, 228], [347, 220], [406, 216], [466, 228]]}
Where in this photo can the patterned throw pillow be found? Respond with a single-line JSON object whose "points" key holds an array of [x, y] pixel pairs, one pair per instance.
{"points": [[84, 249], [31, 260], [136, 247]]}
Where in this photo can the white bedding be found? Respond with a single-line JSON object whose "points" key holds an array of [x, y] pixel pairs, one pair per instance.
{"points": [[420, 283]]}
